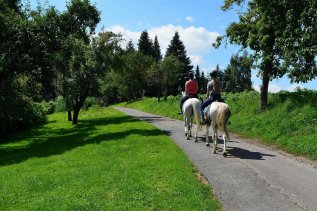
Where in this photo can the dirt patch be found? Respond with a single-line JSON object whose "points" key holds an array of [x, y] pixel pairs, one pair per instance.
{"points": [[201, 178]]}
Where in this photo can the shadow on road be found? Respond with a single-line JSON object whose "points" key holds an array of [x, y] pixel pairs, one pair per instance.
{"points": [[246, 154]]}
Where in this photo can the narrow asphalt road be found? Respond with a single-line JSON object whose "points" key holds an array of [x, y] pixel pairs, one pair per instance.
{"points": [[252, 177]]}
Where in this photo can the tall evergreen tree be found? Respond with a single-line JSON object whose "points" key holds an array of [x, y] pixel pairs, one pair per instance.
{"points": [[197, 76], [203, 82], [145, 44], [157, 50], [130, 47], [177, 49]]}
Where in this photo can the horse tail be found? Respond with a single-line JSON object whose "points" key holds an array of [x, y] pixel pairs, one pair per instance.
{"points": [[223, 119], [196, 109]]}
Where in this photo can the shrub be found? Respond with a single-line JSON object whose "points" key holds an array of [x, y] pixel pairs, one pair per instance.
{"points": [[60, 104]]}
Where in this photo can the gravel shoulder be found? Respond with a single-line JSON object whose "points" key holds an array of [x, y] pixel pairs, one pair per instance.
{"points": [[252, 177]]}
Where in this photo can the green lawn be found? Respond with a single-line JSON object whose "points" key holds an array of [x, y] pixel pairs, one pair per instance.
{"points": [[108, 162]]}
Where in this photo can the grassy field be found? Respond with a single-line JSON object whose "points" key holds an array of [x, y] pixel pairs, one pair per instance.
{"points": [[289, 123], [108, 162]]}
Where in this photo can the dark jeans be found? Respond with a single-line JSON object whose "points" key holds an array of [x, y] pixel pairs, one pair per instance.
{"points": [[186, 97], [212, 98]]}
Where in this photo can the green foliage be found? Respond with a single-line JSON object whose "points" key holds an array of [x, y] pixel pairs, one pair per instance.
{"points": [[90, 102], [108, 162], [60, 104], [281, 35], [177, 49], [145, 45], [289, 122], [237, 76]]}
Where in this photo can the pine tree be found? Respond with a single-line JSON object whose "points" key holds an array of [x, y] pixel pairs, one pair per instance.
{"points": [[203, 82], [157, 50], [130, 47], [177, 49], [197, 76], [145, 44]]}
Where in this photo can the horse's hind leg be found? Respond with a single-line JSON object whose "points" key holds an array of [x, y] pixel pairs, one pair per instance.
{"points": [[225, 137], [207, 136], [224, 153], [196, 133], [214, 137]]}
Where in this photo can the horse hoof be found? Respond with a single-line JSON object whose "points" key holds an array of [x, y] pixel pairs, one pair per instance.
{"points": [[186, 134], [214, 152], [225, 154]]}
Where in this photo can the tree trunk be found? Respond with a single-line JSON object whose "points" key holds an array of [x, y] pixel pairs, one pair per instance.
{"points": [[3, 130], [69, 116], [265, 85], [75, 116], [158, 94]]}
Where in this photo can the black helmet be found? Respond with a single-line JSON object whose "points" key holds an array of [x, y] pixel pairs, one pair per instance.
{"points": [[190, 75], [213, 74]]}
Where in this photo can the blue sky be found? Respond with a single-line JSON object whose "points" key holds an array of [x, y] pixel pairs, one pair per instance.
{"points": [[198, 22]]}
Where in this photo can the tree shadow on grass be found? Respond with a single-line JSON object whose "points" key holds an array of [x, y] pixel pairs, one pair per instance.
{"points": [[44, 144]]}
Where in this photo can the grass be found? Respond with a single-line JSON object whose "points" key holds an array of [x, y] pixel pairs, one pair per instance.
{"points": [[108, 162], [289, 123]]}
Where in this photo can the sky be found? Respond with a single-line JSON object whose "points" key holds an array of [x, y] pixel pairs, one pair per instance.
{"points": [[198, 23]]}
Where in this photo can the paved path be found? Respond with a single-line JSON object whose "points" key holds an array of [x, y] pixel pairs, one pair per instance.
{"points": [[252, 177]]}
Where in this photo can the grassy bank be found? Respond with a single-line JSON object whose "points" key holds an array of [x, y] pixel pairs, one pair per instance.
{"points": [[290, 122], [108, 162]]}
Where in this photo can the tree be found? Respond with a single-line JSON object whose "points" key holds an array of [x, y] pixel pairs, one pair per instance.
{"points": [[279, 33], [157, 50], [177, 49], [170, 67], [77, 22], [237, 76], [130, 47], [203, 82], [145, 45], [197, 76], [132, 77]]}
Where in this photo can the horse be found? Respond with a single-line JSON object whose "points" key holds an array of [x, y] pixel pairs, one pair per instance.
{"points": [[191, 108], [217, 116]]}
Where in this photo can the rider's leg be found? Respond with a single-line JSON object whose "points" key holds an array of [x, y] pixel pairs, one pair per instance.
{"points": [[181, 104], [202, 108]]}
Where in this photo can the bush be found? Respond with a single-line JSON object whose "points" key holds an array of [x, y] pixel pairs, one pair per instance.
{"points": [[49, 107], [60, 105], [89, 102]]}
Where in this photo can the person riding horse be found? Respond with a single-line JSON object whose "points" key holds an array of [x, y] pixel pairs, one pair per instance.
{"points": [[191, 89], [213, 93]]}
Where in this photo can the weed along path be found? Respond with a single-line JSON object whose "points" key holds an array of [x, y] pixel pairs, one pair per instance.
{"points": [[252, 177]]}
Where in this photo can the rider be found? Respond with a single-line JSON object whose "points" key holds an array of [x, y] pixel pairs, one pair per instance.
{"points": [[191, 90], [213, 92]]}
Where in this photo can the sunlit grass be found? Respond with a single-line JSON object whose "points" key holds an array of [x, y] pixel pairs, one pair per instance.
{"points": [[108, 162]]}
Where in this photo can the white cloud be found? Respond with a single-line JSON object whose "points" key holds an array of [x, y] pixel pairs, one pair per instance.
{"points": [[293, 88], [189, 19], [196, 60], [197, 40], [272, 88]]}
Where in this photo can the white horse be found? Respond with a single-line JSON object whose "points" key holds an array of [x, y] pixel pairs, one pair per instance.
{"points": [[191, 108], [218, 116]]}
